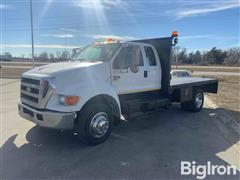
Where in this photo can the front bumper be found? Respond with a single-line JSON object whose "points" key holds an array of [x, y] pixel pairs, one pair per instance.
{"points": [[46, 118]]}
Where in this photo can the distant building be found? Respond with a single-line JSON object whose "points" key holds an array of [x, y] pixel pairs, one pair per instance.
{"points": [[6, 57]]}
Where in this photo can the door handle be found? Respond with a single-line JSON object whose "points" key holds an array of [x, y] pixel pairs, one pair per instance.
{"points": [[116, 78], [145, 74]]}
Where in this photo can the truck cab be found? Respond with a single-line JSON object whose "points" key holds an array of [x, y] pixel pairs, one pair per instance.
{"points": [[136, 68], [104, 81]]}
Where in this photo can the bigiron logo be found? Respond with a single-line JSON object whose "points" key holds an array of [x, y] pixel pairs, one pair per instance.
{"points": [[202, 171]]}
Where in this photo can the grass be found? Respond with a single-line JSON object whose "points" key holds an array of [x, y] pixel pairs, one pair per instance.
{"points": [[228, 96]]}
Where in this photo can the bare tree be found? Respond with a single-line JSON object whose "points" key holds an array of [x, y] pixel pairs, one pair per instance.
{"points": [[51, 57], [66, 55], [58, 55], [233, 56], [215, 56], [43, 56]]}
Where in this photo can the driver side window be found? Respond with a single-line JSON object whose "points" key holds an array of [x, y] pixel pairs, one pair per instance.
{"points": [[128, 57]]}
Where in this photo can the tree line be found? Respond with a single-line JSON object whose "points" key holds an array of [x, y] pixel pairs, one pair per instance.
{"points": [[215, 56], [58, 56], [41, 57]]}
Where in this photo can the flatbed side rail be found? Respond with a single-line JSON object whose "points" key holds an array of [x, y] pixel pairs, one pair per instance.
{"points": [[209, 86]]}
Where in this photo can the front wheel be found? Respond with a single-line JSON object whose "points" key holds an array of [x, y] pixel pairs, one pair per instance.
{"points": [[94, 123], [196, 104]]}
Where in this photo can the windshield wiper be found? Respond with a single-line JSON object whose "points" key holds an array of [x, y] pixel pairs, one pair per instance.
{"points": [[81, 60], [94, 61]]}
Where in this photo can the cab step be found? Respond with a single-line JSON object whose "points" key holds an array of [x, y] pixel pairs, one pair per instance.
{"points": [[144, 105]]}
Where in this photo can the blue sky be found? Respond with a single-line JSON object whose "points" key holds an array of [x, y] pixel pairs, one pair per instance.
{"points": [[73, 23]]}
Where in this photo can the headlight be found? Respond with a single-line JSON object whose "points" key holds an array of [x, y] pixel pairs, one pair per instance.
{"points": [[69, 100]]}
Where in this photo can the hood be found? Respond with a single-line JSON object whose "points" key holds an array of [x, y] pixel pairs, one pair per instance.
{"points": [[56, 68], [74, 72]]}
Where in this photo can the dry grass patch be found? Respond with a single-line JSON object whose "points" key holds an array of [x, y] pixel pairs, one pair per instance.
{"points": [[228, 96]]}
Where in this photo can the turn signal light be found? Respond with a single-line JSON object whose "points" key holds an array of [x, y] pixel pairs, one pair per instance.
{"points": [[109, 40], [69, 100]]}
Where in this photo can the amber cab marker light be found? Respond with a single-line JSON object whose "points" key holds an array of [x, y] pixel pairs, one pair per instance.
{"points": [[109, 40], [72, 100], [175, 34]]}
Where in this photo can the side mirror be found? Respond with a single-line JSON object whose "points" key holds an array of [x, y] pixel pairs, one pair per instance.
{"points": [[175, 41], [134, 68]]}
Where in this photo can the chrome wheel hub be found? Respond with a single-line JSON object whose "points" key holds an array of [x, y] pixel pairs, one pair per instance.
{"points": [[199, 100], [99, 125]]}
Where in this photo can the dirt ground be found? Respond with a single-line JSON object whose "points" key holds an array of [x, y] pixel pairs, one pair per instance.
{"points": [[228, 96], [151, 146]]}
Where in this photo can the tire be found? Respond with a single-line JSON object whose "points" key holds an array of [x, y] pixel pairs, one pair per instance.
{"points": [[196, 104], [94, 123]]}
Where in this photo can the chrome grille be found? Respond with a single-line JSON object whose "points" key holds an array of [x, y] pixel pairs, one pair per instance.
{"points": [[30, 81], [30, 91], [36, 93]]}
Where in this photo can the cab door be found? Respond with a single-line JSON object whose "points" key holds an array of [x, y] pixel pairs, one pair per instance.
{"points": [[153, 65], [128, 70]]}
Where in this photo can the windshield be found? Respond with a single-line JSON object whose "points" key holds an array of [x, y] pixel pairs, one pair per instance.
{"points": [[97, 52]]}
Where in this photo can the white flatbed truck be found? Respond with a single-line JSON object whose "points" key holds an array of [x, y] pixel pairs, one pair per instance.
{"points": [[105, 80]]}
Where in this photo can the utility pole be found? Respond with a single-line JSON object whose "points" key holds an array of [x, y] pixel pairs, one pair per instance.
{"points": [[65, 52], [31, 17]]}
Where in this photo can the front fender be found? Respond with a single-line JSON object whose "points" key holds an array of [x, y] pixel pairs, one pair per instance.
{"points": [[86, 91]]}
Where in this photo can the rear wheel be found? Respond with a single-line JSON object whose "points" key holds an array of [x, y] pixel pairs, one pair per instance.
{"points": [[196, 104], [94, 123]]}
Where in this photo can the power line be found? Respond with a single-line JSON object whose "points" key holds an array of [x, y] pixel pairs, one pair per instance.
{"points": [[57, 26], [114, 23], [135, 15], [71, 16], [31, 19]]}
